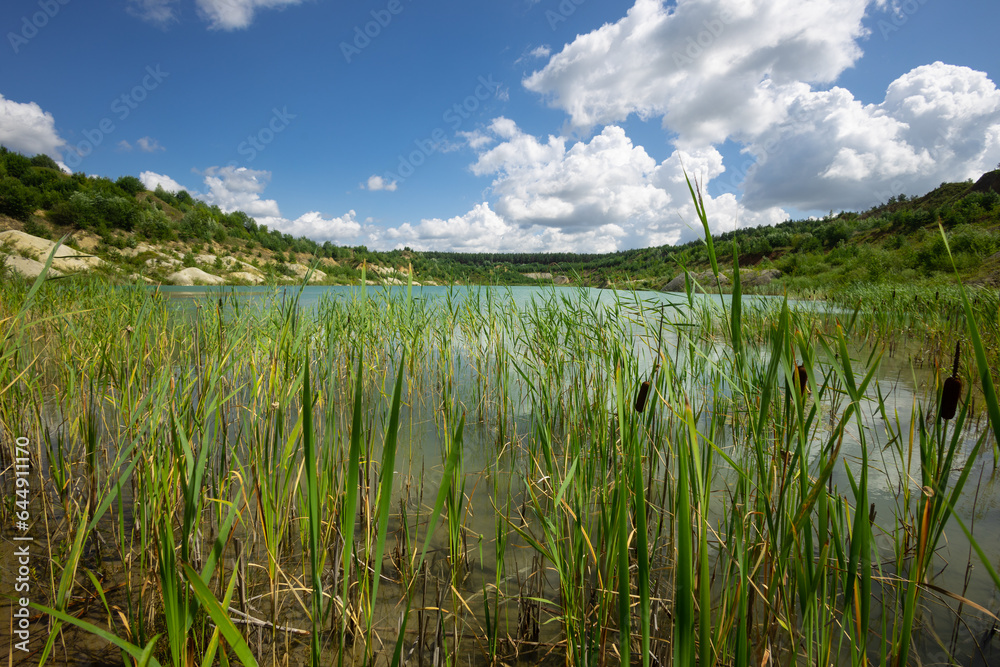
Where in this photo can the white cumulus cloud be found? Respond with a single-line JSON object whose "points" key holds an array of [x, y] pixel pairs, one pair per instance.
{"points": [[25, 128], [149, 145], [709, 68], [607, 183], [937, 123], [152, 180], [601, 195], [314, 225], [543, 51], [236, 14], [239, 188], [376, 183]]}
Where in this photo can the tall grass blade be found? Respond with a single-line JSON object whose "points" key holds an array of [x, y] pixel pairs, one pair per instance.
{"points": [[220, 617], [314, 518]]}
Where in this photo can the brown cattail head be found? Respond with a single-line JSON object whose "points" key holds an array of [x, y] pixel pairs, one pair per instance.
{"points": [[640, 399], [801, 379], [949, 397], [952, 389]]}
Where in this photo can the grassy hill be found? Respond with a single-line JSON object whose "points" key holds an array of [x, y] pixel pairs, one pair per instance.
{"points": [[151, 235]]}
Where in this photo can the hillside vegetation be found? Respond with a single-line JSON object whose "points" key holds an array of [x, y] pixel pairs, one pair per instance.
{"points": [[152, 235]]}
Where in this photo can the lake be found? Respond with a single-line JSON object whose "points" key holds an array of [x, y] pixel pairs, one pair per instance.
{"points": [[565, 518]]}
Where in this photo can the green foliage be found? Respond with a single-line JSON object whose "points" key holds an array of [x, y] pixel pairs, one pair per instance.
{"points": [[168, 197], [117, 212], [16, 199], [197, 224], [45, 162], [831, 235], [154, 226], [131, 185], [282, 269], [17, 165], [974, 240], [36, 229], [40, 178], [876, 263], [96, 210], [78, 211]]}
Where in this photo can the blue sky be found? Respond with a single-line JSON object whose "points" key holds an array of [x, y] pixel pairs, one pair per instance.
{"points": [[511, 125]]}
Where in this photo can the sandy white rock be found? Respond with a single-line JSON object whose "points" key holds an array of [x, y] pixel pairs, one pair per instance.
{"points": [[28, 268], [194, 276], [246, 276], [66, 260]]}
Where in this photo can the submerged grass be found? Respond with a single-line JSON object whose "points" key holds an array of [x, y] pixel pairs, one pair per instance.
{"points": [[210, 478]]}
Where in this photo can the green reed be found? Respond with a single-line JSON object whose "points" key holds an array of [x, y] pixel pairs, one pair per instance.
{"points": [[224, 474]]}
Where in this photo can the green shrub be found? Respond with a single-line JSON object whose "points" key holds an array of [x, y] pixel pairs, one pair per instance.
{"points": [[874, 263], [131, 185], [17, 165], [16, 199], [196, 224], [77, 211], [117, 212], [33, 227], [154, 226], [165, 196], [831, 234], [45, 162], [975, 241]]}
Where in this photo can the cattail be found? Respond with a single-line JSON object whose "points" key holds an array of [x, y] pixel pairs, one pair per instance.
{"points": [[640, 399], [952, 389], [801, 379]]}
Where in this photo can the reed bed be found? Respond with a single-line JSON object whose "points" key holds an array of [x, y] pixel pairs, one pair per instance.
{"points": [[388, 479]]}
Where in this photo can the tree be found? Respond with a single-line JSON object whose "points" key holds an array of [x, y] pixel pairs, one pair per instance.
{"points": [[44, 161], [131, 185], [163, 195], [78, 211], [196, 224], [16, 199], [832, 234], [154, 225], [17, 165], [118, 212]]}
